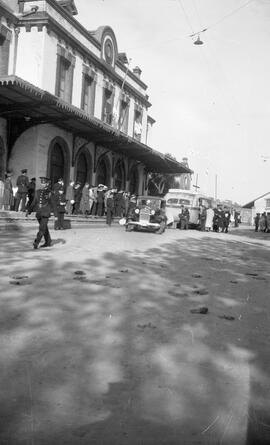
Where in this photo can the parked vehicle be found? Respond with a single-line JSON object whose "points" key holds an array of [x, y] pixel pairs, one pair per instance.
{"points": [[147, 214], [176, 198]]}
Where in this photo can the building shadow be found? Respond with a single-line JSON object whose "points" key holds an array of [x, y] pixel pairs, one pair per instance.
{"points": [[108, 352]]}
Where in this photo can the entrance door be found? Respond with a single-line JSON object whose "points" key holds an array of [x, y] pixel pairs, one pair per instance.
{"points": [[119, 176], [81, 174], [57, 167], [134, 180], [2, 159], [102, 173]]}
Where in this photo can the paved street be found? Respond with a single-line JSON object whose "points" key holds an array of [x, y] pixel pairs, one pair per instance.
{"points": [[99, 345]]}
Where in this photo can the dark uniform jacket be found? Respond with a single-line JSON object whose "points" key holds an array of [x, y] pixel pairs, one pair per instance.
{"points": [[22, 184], [42, 203], [61, 203]]}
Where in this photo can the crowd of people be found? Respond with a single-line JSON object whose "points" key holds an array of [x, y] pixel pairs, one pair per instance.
{"points": [[262, 222], [76, 198], [98, 201], [93, 200], [18, 197], [217, 219]]}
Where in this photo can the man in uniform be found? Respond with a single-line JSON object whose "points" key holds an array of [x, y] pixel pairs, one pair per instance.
{"points": [[21, 195], [226, 219], [43, 206], [59, 185]]}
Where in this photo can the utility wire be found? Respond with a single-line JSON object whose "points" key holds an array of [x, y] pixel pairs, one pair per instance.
{"points": [[156, 44], [222, 18], [185, 14]]}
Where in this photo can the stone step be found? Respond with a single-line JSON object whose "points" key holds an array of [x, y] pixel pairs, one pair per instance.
{"points": [[11, 216]]}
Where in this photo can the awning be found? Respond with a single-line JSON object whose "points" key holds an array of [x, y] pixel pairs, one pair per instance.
{"points": [[24, 102]]}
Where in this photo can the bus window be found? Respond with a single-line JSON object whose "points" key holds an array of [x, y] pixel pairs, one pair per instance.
{"points": [[184, 202], [172, 201]]}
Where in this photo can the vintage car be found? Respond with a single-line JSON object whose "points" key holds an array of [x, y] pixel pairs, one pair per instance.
{"points": [[147, 213]]}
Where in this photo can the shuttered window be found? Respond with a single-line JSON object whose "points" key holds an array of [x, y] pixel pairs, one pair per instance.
{"points": [[108, 99], [124, 115], [88, 91], [137, 129], [5, 37], [64, 74]]}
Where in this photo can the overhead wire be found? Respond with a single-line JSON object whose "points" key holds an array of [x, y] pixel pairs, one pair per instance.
{"points": [[180, 3], [234, 11], [156, 44]]}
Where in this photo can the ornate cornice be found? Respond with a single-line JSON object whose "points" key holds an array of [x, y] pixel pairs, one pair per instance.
{"points": [[43, 19], [88, 35], [71, 20]]}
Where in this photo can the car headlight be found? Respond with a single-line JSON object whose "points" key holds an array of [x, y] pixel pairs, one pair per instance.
{"points": [[137, 211], [153, 212]]}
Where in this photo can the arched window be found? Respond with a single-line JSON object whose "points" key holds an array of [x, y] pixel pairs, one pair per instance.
{"points": [[134, 181], [119, 176], [2, 159], [58, 161], [103, 174], [83, 163]]}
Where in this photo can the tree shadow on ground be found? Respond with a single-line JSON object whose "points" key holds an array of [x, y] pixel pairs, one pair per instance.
{"points": [[107, 351]]}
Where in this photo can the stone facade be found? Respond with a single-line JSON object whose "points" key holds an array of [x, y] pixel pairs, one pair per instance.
{"points": [[49, 49]]}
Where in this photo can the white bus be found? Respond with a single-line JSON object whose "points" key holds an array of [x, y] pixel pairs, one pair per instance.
{"points": [[175, 198]]}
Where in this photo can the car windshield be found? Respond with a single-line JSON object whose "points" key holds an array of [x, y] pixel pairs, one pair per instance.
{"points": [[152, 203]]}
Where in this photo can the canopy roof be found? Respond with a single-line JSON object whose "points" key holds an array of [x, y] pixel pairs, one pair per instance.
{"points": [[23, 102]]}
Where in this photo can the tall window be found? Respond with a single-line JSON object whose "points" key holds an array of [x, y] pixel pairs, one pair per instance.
{"points": [[64, 74], [137, 129], [88, 90], [5, 37], [108, 99], [124, 114]]}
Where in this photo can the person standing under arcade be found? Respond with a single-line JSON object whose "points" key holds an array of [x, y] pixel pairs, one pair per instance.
{"points": [[21, 195]]}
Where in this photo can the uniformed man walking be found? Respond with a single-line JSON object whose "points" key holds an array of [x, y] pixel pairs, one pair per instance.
{"points": [[43, 205]]}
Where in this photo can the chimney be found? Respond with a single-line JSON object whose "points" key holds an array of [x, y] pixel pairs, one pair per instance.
{"points": [[137, 71], [185, 161]]}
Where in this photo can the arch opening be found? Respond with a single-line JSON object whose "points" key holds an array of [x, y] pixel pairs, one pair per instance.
{"points": [[119, 176], [58, 161], [103, 173], [2, 159], [134, 181]]}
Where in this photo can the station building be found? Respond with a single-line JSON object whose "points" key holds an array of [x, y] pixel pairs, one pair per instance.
{"points": [[70, 104]]}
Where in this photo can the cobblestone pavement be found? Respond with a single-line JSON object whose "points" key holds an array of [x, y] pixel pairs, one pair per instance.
{"points": [[115, 338]]}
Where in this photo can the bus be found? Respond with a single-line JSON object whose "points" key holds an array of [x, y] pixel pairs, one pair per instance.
{"points": [[175, 198]]}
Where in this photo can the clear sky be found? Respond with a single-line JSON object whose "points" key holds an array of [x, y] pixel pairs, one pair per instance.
{"points": [[211, 102]]}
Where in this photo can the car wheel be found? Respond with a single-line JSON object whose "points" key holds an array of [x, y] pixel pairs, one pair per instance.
{"points": [[129, 228]]}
